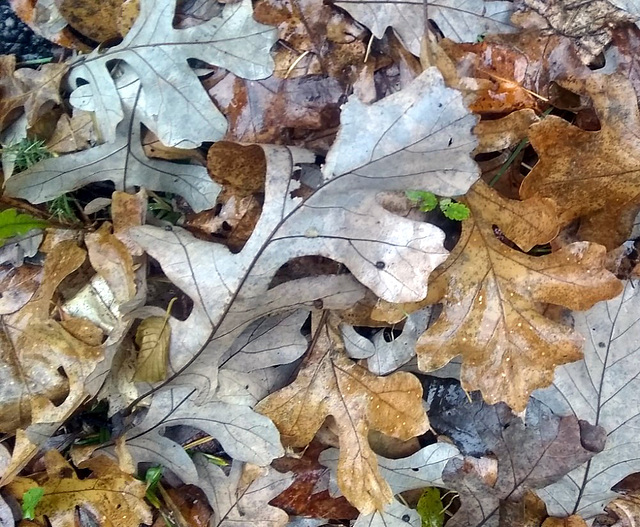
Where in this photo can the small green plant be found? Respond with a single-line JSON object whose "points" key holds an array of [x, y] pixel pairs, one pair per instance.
{"points": [[26, 153], [152, 478], [30, 501], [162, 208], [61, 209], [430, 508], [428, 201], [14, 224]]}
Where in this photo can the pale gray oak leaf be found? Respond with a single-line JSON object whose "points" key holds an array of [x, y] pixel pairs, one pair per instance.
{"points": [[604, 390]]}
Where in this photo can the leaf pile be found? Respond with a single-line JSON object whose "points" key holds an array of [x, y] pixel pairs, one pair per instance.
{"points": [[236, 237]]}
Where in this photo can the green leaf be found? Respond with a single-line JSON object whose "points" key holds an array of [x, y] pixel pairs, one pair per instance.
{"points": [[427, 201], [454, 211], [152, 477], [14, 224], [430, 508], [30, 500]]}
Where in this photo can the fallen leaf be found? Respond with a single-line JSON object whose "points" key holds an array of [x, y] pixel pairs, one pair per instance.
{"points": [[302, 497], [244, 434], [44, 363], [115, 498], [18, 285], [72, 133], [571, 521], [342, 219], [99, 22], [498, 134], [152, 338], [491, 296], [592, 175], [170, 88], [530, 455], [460, 20], [420, 470], [329, 384], [14, 224], [122, 162], [588, 25], [241, 499], [602, 390], [34, 90]]}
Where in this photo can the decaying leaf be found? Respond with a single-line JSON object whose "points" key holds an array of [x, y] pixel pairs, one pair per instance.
{"points": [[244, 434], [172, 103], [460, 20], [152, 338], [241, 499], [417, 138], [589, 24], [593, 176], [420, 470], [491, 296], [329, 384], [122, 161], [530, 455], [114, 498], [603, 390], [35, 349]]}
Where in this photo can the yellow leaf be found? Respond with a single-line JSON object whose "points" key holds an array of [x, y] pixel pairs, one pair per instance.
{"points": [[152, 338]]}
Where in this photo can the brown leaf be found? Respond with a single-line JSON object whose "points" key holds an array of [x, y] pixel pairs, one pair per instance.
{"points": [[37, 91], [330, 384], [71, 133], [492, 297], [128, 210], [17, 286], [571, 521], [152, 338], [594, 176], [241, 170], [97, 20], [115, 499], [265, 111], [301, 498], [153, 147], [34, 347], [498, 134]]}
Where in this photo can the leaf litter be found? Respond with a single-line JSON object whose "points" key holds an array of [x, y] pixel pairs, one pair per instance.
{"points": [[250, 285]]}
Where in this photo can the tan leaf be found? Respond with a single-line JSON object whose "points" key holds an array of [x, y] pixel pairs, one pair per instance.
{"points": [[72, 133], [96, 20], [594, 176], [492, 298], [152, 337], [128, 210], [114, 497], [330, 384], [240, 169], [34, 349], [498, 134], [571, 521]]}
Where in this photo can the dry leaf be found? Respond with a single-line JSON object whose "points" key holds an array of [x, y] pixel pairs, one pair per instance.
{"points": [[571, 521], [498, 134], [330, 384], [588, 24], [152, 338], [35, 349], [97, 20], [592, 175], [116, 499], [239, 169], [492, 296], [72, 133]]}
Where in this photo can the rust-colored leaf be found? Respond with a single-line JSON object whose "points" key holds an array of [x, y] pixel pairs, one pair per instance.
{"points": [[594, 176], [492, 298], [330, 384]]}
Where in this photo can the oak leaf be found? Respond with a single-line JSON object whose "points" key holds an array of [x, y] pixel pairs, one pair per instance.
{"points": [[603, 390], [242, 498], [492, 297], [593, 176], [115, 498], [330, 384], [460, 20], [173, 103], [34, 347], [530, 455]]}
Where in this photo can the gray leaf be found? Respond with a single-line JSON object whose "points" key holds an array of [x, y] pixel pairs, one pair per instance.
{"points": [[459, 20], [242, 507], [159, 53], [122, 162], [244, 434], [355, 345], [603, 389], [394, 515]]}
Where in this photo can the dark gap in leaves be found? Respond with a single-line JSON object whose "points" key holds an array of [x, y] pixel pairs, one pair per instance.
{"points": [[305, 267], [161, 291]]}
